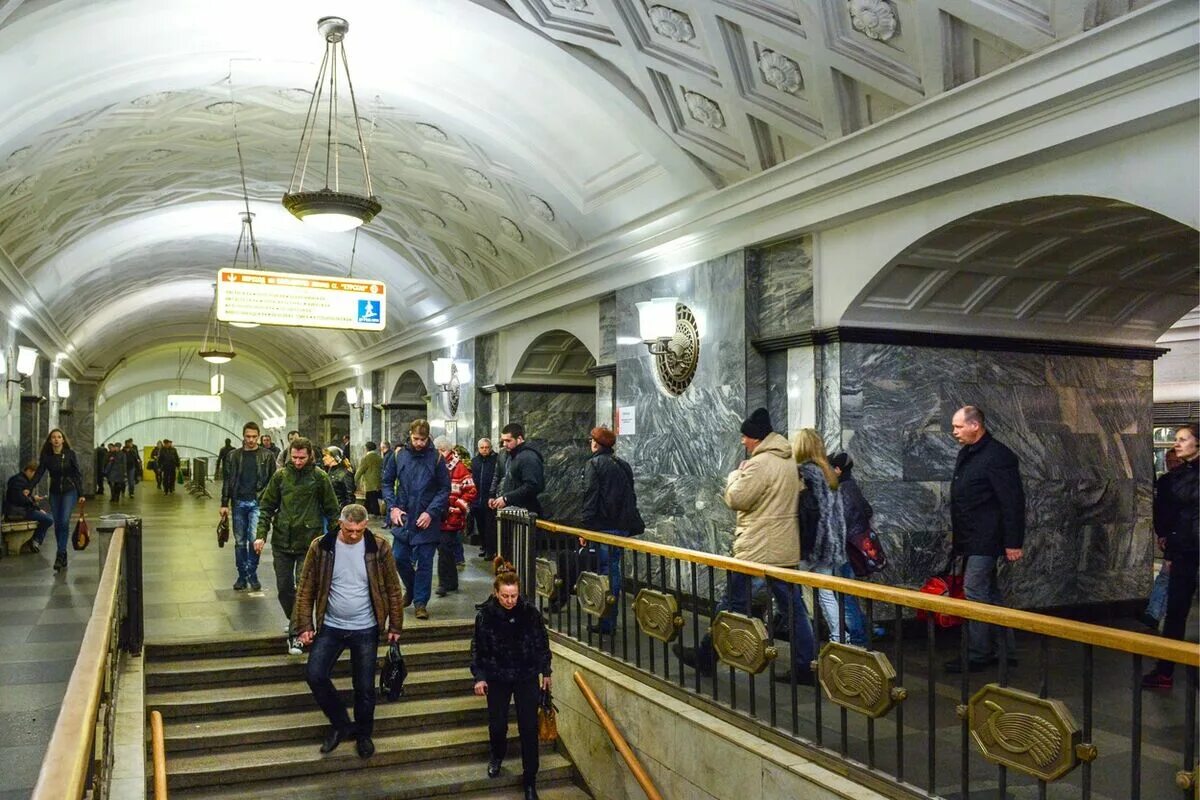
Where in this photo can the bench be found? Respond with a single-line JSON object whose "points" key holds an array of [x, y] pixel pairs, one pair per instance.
{"points": [[17, 534]]}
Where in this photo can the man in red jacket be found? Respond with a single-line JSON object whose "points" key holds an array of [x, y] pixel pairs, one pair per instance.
{"points": [[462, 493]]}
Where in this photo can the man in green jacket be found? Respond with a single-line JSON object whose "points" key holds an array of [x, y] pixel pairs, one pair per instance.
{"points": [[299, 501], [370, 478]]}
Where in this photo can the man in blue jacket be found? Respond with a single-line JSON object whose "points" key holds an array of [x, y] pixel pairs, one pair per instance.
{"points": [[416, 490]]}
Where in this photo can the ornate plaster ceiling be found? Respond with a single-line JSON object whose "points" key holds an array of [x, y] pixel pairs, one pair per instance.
{"points": [[746, 84], [1083, 266], [555, 356]]}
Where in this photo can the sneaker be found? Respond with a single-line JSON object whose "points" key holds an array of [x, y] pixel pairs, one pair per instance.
{"points": [[1156, 680], [462, 565], [255, 586], [239, 584], [1149, 621], [422, 613], [293, 646], [441, 592], [364, 746]]}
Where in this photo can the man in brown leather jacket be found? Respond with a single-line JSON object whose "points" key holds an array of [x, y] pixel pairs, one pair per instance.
{"points": [[348, 593]]}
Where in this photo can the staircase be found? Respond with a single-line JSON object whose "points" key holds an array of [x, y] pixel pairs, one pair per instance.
{"points": [[239, 721]]}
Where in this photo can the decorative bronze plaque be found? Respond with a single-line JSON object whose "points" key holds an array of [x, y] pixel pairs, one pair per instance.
{"points": [[858, 679], [593, 593], [546, 572], [1024, 732], [658, 614], [742, 642]]}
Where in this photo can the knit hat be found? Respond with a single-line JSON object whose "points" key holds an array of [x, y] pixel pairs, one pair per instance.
{"points": [[758, 425], [604, 437]]}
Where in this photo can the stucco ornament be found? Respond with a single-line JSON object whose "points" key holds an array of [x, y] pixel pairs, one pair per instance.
{"points": [[453, 201], [675, 25], [411, 159], [486, 245], [432, 218], [431, 132], [780, 71], [464, 258], [541, 208], [511, 230], [570, 5], [476, 178], [704, 110], [875, 19]]}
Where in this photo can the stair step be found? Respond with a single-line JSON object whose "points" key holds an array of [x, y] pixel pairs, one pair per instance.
{"points": [[183, 704], [310, 725], [463, 778], [255, 667], [288, 762], [160, 650]]}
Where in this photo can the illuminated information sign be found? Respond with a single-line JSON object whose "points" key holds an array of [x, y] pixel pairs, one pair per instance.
{"points": [[302, 301]]}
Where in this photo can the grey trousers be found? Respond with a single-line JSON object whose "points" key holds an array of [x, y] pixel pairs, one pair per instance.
{"points": [[980, 584]]}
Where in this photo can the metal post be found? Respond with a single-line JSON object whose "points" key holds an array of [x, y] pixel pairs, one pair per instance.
{"points": [[133, 626]]}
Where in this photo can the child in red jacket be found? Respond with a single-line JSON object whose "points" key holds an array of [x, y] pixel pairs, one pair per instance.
{"points": [[462, 493]]}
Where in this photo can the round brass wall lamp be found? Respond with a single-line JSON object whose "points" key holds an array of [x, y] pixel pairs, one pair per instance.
{"points": [[671, 333]]}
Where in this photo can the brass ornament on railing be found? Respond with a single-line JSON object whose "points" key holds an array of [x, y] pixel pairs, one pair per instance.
{"points": [[742, 642], [1187, 779], [657, 614], [1022, 731], [593, 593], [548, 581], [858, 679]]}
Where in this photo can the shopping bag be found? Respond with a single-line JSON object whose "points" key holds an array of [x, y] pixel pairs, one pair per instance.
{"points": [[947, 584], [865, 553]]}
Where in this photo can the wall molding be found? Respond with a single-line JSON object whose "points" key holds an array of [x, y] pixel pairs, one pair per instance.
{"points": [[953, 341], [602, 370], [541, 388]]}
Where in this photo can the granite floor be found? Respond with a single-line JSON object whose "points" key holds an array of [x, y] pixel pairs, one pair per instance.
{"points": [[188, 591]]}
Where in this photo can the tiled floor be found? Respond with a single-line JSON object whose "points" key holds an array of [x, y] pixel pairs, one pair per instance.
{"points": [[188, 584]]}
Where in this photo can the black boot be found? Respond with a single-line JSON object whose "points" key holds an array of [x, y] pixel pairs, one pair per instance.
{"points": [[531, 792], [60, 561], [334, 738], [494, 768]]}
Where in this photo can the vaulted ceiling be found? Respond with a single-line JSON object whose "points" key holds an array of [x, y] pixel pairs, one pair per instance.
{"points": [[502, 137]]}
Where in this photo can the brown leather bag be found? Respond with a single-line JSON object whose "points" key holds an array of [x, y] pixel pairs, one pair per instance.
{"points": [[82, 535], [547, 718]]}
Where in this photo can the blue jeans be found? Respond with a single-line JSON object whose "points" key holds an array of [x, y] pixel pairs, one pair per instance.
{"points": [[980, 585], [609, 562], [415, 565], [61, 506], [44, 522], [786, 595], [245, 525], [326, 649], [1156, 606], [856, 623], [134, 475]]}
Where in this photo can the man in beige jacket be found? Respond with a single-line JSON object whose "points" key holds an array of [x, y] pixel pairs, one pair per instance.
{"points": [[764, 491]]}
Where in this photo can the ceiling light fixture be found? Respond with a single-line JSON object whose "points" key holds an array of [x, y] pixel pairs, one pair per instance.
{"points": [[216, 350], [330, 209]]}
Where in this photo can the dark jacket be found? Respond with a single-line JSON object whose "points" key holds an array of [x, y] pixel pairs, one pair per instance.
{"points": [[65, 475], [168, 458], [133, 459], [297, 506], [342, 480], [609, 494], [18, 497], [1176, 516], [117, 468], [520, 479], [857, 510], [312, 590], [483, 472], [417, 482], [509, 645], [232, 472], [987, 501]]}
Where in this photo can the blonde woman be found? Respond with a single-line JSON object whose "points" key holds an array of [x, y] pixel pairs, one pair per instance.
{"points": [[822, 521]]}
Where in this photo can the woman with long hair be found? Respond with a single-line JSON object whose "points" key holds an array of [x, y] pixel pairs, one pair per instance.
{"points": [[822, 521], [66, 482], [509, 651]]}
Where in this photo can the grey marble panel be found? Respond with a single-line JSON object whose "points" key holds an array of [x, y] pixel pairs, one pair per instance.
{"points": [[605, 401], [777, 389], [828, 369], [487, 358], [308, 413], [782, 287], [608, 329], [81, 427], [558, 426], [31, 425]]}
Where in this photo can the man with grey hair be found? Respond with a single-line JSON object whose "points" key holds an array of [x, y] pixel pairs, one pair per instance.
{"points": [[348, 593], [483, 518]]}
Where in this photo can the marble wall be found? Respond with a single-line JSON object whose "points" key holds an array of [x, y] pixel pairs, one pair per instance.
{"points": [[558, 425], [783, 276], [308, 413], [78, 421], [1081, 427], [487, 367]]}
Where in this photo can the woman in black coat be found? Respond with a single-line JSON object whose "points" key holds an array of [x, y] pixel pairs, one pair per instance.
{"points": [[509, 652], [59, 461]]}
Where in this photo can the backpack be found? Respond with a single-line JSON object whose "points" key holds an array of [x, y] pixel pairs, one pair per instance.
{"points": [[865, 553]]}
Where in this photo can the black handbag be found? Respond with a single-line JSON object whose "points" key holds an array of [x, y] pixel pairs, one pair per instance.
{"points": [[393, 674]]}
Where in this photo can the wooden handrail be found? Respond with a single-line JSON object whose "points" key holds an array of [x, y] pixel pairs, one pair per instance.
{"points": [[159, 753], [65, 767], [1112, 638], [631, 760]]}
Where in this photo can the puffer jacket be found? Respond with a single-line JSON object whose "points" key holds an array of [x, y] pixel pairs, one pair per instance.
{"points": [[1176, 512], [509, 645], [312, 591], [763, 491], [301, 505], [462, 494]]}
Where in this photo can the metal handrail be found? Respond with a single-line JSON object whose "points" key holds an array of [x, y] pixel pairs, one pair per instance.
{"points": [[630, 758], [1086, 633], [159, 754], [64, 771]]}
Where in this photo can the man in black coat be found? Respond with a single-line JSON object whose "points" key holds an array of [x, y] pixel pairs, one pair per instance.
{"points": [[987, 517], [522, 478], [483, 472], [609, 506]]}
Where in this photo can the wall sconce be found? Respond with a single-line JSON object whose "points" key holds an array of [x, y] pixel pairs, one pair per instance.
{"points": [[359, 399], [669, 330], [445, 375], [61, 387], [19, 365]]}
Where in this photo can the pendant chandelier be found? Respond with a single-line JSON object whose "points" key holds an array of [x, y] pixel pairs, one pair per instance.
{"points": [[216, 349], [330, 209]]}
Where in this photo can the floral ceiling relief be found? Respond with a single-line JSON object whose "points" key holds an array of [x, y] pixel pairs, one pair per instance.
{"points": [[875, 19]]}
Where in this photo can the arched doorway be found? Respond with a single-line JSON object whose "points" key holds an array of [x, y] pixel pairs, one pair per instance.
{"points": [[409, 400], [337, 421]]}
